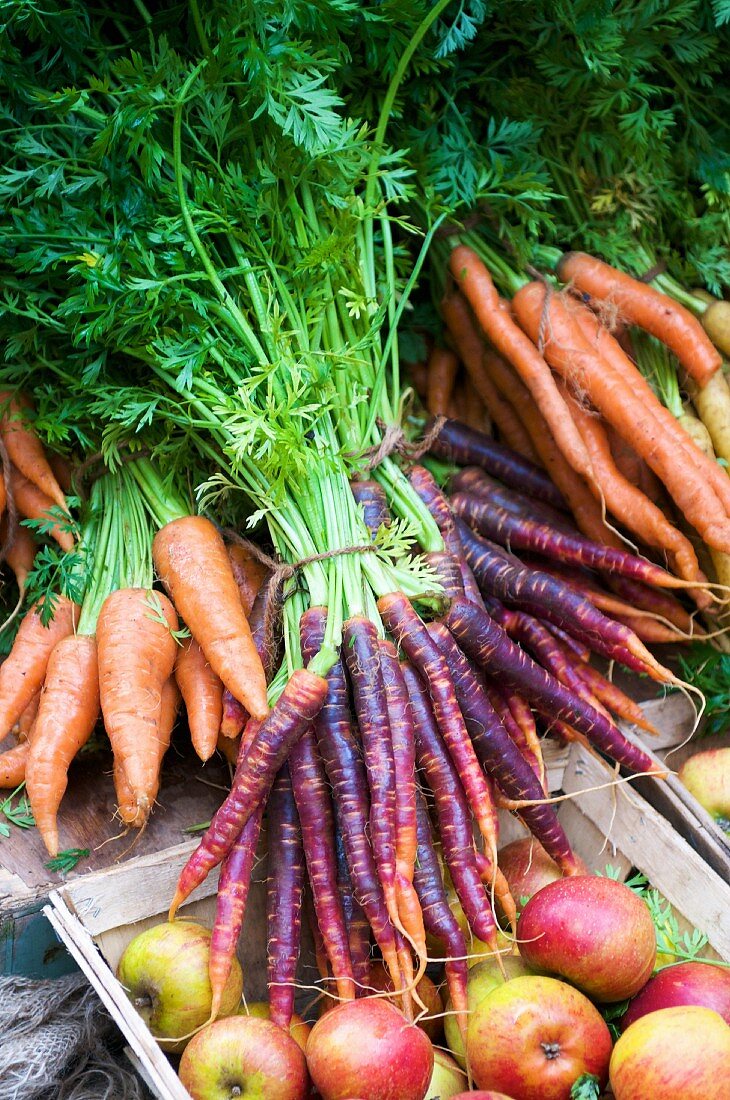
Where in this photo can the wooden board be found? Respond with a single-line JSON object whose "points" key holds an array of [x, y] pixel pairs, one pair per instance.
{"points": [[653, 846]]}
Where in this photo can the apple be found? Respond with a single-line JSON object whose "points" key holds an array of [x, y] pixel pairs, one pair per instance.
{"points": [[447, 1079], [594, 932], [480, 1094], [688, 983], [299, 1029], [680, 1053], [367, 1048], [244, 1056], [164, 971], [483, 978], [534, 1037], [432, 1023], [527, 867], [706, 775]]}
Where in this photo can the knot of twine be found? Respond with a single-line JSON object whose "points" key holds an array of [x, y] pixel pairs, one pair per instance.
{"points": [[280, 572], [394, 441], [274, 597], [658, 269]]}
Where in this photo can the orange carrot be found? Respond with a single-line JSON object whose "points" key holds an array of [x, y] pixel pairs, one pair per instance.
{"points": [[25, 450], [229, 747], [68, 711], [418, 378], [627, 503], [470, 345], [634, 468], [613, 354], [21, 555], [136, 657], [33, 503], [202, 693], [642, 305], [191, 560], [62, 471], [475, 414], [509, 340], [249, 574], [623, 405], [586, 510], [23, 671], [12, 766], [129, 812], [650, 631], [442, 369], [25, 723]]}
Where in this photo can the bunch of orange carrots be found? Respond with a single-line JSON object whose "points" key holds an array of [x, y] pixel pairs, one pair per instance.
{"points": [[555, 369]]}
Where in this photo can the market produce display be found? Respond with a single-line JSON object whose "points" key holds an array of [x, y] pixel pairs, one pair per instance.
{"points": [[345, 406]]}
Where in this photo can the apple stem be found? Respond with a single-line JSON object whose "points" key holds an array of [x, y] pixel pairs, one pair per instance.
{"points": [[144, 1001]]}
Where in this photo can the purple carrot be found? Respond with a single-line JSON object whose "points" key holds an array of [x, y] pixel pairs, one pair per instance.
{"points": [[284, 896], [613, 697], [503, 760], [425, 485], [476, 483], [413, 637], [438, 918], [230, 906], [578, 649], [522, 533], [362, 657], [297, 706], [487, 644], [342, 758], [548, 652], [448, 572], [404, 759], [513, 728], [311, 794], [546, 597], [358, 927], [468, 447], [371, 497], [452, 808]]}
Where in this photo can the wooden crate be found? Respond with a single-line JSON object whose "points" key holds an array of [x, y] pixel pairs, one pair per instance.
{"points": [[97, 915], [190, 794]]}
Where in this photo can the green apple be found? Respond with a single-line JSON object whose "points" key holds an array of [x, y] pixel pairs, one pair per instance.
{"points": [[299, 1029], [447, 1079], [244, 1056], [483, 978], [164, 971], [706, 775]]}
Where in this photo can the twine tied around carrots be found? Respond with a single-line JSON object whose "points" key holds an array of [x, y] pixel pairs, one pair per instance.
{"points": [[394, 441]]}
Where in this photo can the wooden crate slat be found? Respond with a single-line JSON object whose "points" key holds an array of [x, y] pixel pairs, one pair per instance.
{"points": [[654, 847], [122, 895], [159, 1072]]}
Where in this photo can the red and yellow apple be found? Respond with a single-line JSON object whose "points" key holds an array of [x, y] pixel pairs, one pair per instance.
{"points": [[432, 1022], [594, 932], [483, 978], [164, 971], [688, 983], [527, 867], [534, 1037], [244, 1056], [367, 1048], [706, 775], [299, 1029], [447, 1079], [678, 1053], [480, 1094]]}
